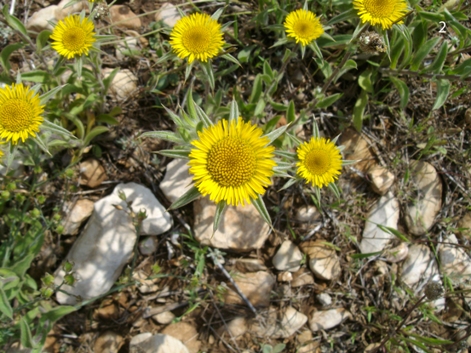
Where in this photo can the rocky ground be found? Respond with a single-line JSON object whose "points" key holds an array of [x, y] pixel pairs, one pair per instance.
{"points": [[310, 284]]}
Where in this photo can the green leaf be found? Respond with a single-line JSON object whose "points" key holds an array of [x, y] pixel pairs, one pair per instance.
{"points": [[394, 232], [191, 106], [51, 93], [259, 107], [315, 48], [202, 116], [256, 89], [230, 58], [401, 86], [26, 338], [328, 101], [349, 64], [22, 265], [359, 110], [106, 118], [5, 306], [14, 23], [290, 112], [97, 130], [267, 70], [35, 76], [463, 69], [40, 143], [215, 16], [175, 153], [364, 80], [175, 118], [208, 70], [233, 111], [5, 55], [443, 89], [272, 136], [221, 206], [423, 52], [244, 53], [42, 39], [56, 313], [433, 17], [343, 17], [48, 125], [439, 61], [324, 66], [189, 196], [262, 210]]}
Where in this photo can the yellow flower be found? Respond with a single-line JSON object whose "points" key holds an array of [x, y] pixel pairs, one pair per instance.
{"points": [[20, 113], [197, 36], [303, 26], [320, 161], [381, 12], [232, 162], [73, 36]]}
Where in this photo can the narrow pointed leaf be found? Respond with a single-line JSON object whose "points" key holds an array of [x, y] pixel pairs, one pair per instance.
{"points": [[5, 307], [26, 338], [189, 196], [163, 135], [48, 125], [191, 106], [176, 153], [262, 210], [203, 116], [272, 136], [443, 89], [289, 183], [229, 57], [38, 141], [234, 111], [221, 206], [97, 130], [50, 94]]}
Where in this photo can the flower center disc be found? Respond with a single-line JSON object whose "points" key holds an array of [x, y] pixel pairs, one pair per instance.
{"points": [[231, 162], [303, 28], [317, 162], [15, 115], [197, 39], [380, 8], [74, 39]]}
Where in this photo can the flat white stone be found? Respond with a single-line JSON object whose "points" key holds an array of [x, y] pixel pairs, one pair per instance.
{"points": [[454, 261], [164, 318], [39, 20], [168, 14], [386, 213], [278, 324], [323, 261], [235, 328], [419, 266], [381, 179], [107, 242], [241, 227], [158, 343], [122, 16], [255, 286], [75, 214], [177, 180], [308, 214], [288, 257], [324, 299], [327, 319], [123, 84], [396, 254], [148, 246], [420, 215]]}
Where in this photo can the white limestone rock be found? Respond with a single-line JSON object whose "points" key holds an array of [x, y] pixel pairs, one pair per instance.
{"points": [[454, 261], [255, 286], [63, 10], [75, 214], [288, 257], [386, 213], [107, 242], [39, 20], [177, 180], [323, 261], [241, 228], [419, 266], [420, 215], [168, 14], [158, 343], [278, 324], [123, 84], [327, 319], [381, 179]]}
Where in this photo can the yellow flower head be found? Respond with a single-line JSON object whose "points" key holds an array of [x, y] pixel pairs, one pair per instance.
{"points": [[303, 26], [232, 162], [381, 12], [197, 36], [20, 113], [320, 161], [73, 36]]}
